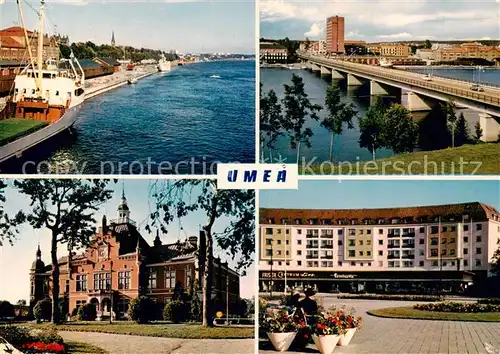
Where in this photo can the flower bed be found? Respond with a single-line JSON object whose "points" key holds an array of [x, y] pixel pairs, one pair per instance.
{"points": [[393, 297], [33, 341], [460, 307]]}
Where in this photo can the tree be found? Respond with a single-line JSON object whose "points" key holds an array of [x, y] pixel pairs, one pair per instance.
{"points": [[66, 208], [495, 260], [449, 109], [21, 302], [87, 312], [372, 127], [142, 309], [8, 226], [6, 310], [236, 207], [307, 44], [271, 121], [65, 51], [340, 114], [463, 132], [297, 108], [42, 310], [427, 44], [478, 131], [401, 131]]}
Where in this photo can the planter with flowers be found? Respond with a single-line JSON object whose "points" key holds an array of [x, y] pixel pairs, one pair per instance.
{"points": [[281, 328], [350, 325], [40, 347], [326, 332]]}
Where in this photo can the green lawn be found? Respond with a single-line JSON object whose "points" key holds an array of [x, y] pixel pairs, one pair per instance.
{"points": [[84, 348], [183, 331], [411, 313], [14, 128], [481, 159]]}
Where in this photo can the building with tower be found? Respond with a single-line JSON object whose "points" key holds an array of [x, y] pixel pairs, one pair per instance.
{"points": [[121, 265]]}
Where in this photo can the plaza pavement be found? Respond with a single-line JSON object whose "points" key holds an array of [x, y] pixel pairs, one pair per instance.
{"points": [[397, 336], [128, 344]]}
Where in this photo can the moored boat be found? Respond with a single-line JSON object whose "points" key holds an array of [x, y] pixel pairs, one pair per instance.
{"points": [[163, 64], [43, 91]]}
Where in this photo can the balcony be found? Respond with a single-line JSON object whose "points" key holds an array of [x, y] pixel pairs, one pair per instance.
{"points": [[327, 246], [392, 256], [312, 236], [410, 234], [393, 235], [393, 246], [326, 257], [408, 256], [311, 245], [327, 236], [312, 257], [409, 245]]}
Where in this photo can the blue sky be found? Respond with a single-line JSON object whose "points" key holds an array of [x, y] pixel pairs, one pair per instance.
{"points": [[381, 194], [15, 261], [383, 20], [184, 25]]}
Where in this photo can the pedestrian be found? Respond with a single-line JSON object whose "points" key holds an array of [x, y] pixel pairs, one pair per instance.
{"points": [[308, 305]]}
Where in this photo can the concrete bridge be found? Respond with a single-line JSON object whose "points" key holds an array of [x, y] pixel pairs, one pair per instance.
{"points": [[417, 94]]}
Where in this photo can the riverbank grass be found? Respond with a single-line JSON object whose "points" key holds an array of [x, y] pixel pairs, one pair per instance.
{"points": [[480, 159], [181, 331], [15, 128], [408, 312]]}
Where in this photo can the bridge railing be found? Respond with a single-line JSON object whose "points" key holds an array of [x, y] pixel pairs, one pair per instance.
{"points": [[486, 84], [483, 98]]}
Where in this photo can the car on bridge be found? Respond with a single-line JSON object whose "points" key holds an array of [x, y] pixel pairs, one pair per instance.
{"points": [[477, 88], [427, 77]]}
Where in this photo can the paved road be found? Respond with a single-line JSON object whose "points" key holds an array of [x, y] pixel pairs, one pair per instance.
{"points": [[125, 344], [395, 336]]}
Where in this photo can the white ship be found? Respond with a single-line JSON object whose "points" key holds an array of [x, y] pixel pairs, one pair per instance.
{"points": [[45, 92], [163, 64], [385, 63]]}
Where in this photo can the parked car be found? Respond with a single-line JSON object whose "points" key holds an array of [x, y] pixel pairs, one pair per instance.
{"points": [[477, 88], [427, 78], [7, 348]]}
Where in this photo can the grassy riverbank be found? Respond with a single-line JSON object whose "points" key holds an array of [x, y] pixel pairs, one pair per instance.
{"points": [[481, 159], [12, 129]]}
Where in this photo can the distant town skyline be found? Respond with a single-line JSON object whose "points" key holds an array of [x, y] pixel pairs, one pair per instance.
{"points": [[14, 285], [383, 20], [182, 25]]}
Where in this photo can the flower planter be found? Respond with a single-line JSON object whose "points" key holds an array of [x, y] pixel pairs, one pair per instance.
{"points": [[345, 338], [326, 344], [281, 341]]}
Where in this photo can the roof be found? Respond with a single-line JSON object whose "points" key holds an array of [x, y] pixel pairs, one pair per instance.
{"points": [[271, 46], [171, 252], [9, 42], [108, 60], [89, 64], [14, 31], [477, 211]]}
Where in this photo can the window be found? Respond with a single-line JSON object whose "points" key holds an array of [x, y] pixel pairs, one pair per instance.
{"points": [[466, 239], [434, 263], [152, 279], [380, 231], [443, 252], [299, 253], [299, 263], [269, 263], [278, 253], [124, 280], [352, 243], [299, 231], [452, 240], [269, 231], [444, 229], [340, 242], [380, 253], [269, 252], [353, 263], [102, 281], [466, 227], [479, 227], [287, 242], [299, 242], [452, 252], [352, 232], [340, 232], [361, 242], [361, 253], [368, 242], [421, 241], [434, 252], [352, 253], [434, 229], [279, 263], [340, 264], [466, 251], [368, 232], [380, 242], [466, 263], [445, 264], [478, 263], [279, 241], [478, 239], [478, 250], [434, 241], [67, 286], [422, 230], [269, 241], [453, 228], [421, 263], [81, 282], [368, 253]]}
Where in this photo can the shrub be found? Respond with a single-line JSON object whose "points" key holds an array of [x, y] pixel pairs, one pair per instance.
{"points": [[142, 310], [64, 308], [87, 312], [461, 307], [493, 301], [6, 310], [175, 311], [15, 335], [393, 297], [196, 309], [43, 310]]}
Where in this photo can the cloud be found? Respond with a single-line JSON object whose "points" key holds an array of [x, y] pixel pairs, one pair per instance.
{"points": [[396, 35], [354, 34], [315, 31]]}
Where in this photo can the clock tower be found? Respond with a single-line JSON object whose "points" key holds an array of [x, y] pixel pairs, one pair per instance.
{"points": [[123, 209]]}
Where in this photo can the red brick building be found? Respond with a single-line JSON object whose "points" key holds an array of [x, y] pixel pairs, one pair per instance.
{"points": [[335, 34], [120, 265], [13, 45]]}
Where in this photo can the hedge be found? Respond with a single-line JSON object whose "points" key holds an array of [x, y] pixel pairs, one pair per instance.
{"points": [[393, 297]]}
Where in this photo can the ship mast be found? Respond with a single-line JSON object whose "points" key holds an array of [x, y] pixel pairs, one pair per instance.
{"points": [[39, 57], [26, 38]]}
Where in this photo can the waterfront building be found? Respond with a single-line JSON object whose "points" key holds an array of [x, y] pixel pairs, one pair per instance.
{"points": [[315, 47], [415, 249], [108, 62], [335, 29], [120, 265], [273, 53], [467, 50], [13, 45]]}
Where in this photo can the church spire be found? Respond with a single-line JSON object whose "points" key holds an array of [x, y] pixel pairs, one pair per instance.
{"points": [[123, 209], [38, 253], [157, 241], [113, 43]]}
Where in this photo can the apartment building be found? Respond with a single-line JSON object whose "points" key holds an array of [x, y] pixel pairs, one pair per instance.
{"points": [[335, 28], [273, 53], [411, 248]]}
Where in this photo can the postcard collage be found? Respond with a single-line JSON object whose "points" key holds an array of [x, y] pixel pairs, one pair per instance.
{"points": [[249, 176]]}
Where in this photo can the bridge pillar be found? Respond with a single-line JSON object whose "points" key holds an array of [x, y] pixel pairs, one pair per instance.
{"points": [[414, 102], [353, 80], [490, 127], [325, 71], [377, 88], [315, 67], [337, 74]]}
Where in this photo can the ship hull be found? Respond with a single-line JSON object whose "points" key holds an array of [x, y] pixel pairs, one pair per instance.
{"points": [[163, 67], [17, 147]]}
